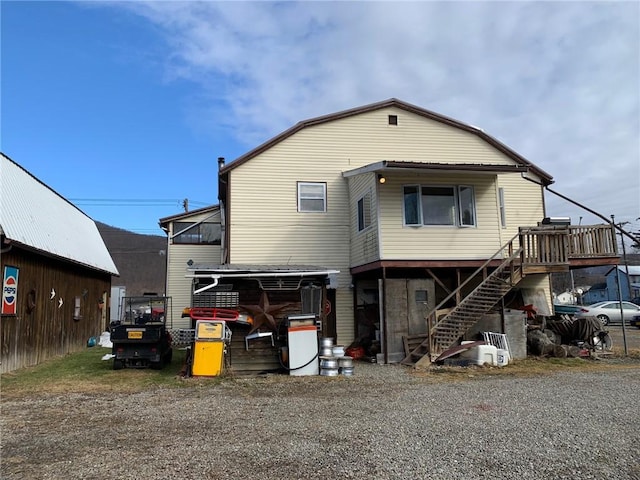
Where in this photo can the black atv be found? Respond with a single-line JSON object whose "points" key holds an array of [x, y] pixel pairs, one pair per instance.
{"points": [[141, 338]]}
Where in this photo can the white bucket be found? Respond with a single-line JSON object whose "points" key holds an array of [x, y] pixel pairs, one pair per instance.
{"points": [[502, 357]]}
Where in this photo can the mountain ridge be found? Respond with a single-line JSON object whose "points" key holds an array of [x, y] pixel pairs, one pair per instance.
{"points": [[140, 259]]}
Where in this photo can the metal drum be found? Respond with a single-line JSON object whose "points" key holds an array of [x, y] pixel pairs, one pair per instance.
{"points": [[328, 372], [328, 363], [328, 366], [346, 371], [326, 352], [345, 362], [338, 350], [326, 342]]}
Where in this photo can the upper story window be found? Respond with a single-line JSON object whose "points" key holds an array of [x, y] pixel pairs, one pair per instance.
{"points": [[503, 215], [197, 233], [439, 205], [312, 197], [364, 211]]}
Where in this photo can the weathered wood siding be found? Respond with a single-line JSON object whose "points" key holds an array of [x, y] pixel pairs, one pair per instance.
{"points": [[50, 330], [266, 227], [178, 286]]}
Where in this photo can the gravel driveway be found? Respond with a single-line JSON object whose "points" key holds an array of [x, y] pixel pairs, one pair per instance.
{"points": [[382, 423]]}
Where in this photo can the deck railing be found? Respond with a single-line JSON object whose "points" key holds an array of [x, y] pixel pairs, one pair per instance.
{"points": [[557, 245], [592, 241]]}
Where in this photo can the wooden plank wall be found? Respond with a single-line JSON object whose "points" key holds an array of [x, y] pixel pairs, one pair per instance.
{"points": [[49, 330]]}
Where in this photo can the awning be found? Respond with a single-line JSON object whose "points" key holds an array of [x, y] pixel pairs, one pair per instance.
{"points": [[407, 167], [269, 276]]}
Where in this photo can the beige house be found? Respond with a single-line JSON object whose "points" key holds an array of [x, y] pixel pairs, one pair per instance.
{"points": [[430, 223], [193, 237]]}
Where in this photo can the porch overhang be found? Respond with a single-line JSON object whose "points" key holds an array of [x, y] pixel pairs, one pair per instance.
{"points": [[216, 273], [380, 264], [387, 166]]}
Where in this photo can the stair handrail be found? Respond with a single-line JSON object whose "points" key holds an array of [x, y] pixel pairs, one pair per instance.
{"points": [[512, 255]]}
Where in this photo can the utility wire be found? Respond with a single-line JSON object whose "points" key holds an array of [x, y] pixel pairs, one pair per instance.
{"points": [[128, 202]]}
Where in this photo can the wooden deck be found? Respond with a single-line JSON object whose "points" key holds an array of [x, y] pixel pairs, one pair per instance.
{"points": [[548, 249]]}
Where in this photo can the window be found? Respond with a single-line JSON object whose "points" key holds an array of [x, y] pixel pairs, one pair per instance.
{"points": [[439, 205], [364, 212], [393, 120], [197, 233], [77, 315], [503, 216], [312, 197]]}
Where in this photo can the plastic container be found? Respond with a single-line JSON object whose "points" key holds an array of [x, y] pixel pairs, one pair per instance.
{"points": [[502, 357], [482, 354]]}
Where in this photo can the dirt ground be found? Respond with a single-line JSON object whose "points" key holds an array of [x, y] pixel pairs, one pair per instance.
{"points": [[632, 336]]}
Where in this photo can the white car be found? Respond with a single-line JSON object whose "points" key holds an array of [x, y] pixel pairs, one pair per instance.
{"points": [[609, 312]]}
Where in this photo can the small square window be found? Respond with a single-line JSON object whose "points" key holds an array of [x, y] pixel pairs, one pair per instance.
{"points": [[393, 119], [312, 197]]}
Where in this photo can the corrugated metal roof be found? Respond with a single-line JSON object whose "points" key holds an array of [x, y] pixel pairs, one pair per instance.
{"points": [[35, 216]]}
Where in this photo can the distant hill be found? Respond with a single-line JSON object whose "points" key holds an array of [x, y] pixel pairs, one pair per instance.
{"points": [[140, 259]]}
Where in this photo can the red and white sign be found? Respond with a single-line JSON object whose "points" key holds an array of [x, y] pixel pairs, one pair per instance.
{"points": [[9, 290], [327, 307]]}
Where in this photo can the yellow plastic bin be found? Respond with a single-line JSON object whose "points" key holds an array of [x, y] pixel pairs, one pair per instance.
{"points": [[208, 348]]}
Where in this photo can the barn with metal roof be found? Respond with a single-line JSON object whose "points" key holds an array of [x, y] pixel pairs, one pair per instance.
{"points": [[56, 271]]}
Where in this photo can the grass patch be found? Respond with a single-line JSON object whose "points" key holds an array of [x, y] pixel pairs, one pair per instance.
{"points": [[86, 372]]}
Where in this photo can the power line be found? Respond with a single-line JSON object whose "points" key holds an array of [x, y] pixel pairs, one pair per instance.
{"points": [[131, 202]]}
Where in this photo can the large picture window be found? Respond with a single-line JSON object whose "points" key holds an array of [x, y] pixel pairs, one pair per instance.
{"points": [[197, 233], [312, 197], [439, 205]]}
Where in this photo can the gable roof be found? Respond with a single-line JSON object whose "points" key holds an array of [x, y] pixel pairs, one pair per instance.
{"points": [[633, 270], [34, 216], [393, 102], [186, 215]]}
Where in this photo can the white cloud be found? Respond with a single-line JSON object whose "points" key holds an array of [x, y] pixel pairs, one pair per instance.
{"points": [[558, 82]]}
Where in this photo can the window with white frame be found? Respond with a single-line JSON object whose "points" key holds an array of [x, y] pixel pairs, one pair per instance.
{"points": [[364, 211], [503, 215], [312, 197], [197, 233], [452, 205]]}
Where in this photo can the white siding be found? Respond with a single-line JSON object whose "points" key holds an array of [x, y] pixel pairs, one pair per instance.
{"points": [[540, 283], [178, 286], [364, 244], [524, 204], [439, 242]]}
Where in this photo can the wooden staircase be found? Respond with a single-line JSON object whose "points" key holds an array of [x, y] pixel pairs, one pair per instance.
{"points": [[447, 331]]}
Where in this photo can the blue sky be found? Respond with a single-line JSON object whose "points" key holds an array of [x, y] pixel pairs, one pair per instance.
{"points": [[124, 107]]}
